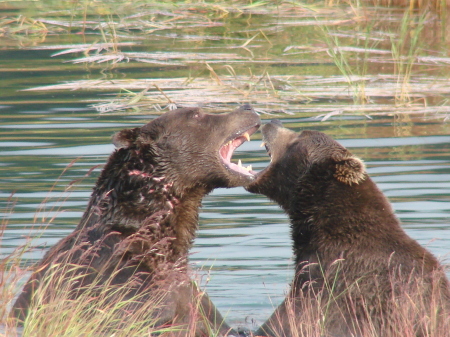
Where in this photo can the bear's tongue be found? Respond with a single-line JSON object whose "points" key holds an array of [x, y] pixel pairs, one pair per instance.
{"points": [[226, 151]]}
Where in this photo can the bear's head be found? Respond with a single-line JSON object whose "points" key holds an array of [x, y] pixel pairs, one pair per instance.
{"points": [[308, 158], [190, 149]]}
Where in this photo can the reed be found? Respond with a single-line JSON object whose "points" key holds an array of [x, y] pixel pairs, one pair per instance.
{"points": [[64, 304], [405, 50], [416, 309], [354, 71]]}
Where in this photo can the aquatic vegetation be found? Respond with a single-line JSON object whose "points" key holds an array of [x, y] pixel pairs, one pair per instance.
{"points": [[250, 51], [273, 94]]}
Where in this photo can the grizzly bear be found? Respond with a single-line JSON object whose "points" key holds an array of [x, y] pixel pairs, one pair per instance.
{"points": [[142, 218], [357, 273]]}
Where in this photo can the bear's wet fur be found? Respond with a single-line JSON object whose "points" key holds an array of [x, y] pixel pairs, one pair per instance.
{"points": [[357, 273], [142, 216]]}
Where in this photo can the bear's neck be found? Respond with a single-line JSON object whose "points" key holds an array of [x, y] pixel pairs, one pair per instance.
{"points": [[334, 217], [132, 189]]}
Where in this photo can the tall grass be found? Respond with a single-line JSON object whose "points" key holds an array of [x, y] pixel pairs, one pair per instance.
{"points": [[405, 45], [416, 307], [74, 300], [11, 273], [60, 308], [405, 49], [355, 75]]}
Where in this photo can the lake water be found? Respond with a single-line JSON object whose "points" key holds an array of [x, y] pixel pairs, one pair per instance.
{"points": [[51, 137]]}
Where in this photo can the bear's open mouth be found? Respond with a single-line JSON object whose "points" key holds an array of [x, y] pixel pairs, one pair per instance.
{"points": [[266, 146], [226, 152]]}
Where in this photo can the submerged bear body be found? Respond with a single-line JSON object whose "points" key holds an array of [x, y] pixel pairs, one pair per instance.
{"points": [[357, 273], [141, 220]]}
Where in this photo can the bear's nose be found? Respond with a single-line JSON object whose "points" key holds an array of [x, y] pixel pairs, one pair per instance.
{"points": [[247, 107]]}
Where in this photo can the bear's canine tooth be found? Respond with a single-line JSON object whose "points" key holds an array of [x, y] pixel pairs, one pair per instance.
{"points": [[246, 136], [262, 144], [239, 163]]}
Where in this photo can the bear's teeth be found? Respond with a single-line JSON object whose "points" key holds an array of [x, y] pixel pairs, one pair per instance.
{"points": [[246, 136], [262, 144], [247, 168]]}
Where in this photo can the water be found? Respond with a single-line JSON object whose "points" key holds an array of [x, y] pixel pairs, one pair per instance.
{"points": [[50, 139]]}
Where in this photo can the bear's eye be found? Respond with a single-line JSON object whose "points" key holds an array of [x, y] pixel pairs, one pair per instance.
{"points": [[196, 115]]}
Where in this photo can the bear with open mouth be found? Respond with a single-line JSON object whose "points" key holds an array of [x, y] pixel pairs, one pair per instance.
{"points": [[357, 273], [142, 219]]}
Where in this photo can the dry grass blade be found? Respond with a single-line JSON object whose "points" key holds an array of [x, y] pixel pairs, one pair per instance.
{"points": [[86, 48], [412, 313], [279, 90], [169, 58]]}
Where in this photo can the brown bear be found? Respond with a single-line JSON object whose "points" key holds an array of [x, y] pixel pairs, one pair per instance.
{"points": [[357, 273], [142, 219]]}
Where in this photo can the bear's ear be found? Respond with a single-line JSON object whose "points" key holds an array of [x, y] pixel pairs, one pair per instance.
{"points": [[350, 170], [125, 138], [152, 131]]}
